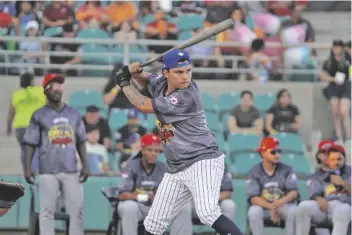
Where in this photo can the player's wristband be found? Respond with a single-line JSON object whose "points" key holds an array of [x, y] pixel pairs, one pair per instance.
{"points": [[114, 91], [142, 198]]}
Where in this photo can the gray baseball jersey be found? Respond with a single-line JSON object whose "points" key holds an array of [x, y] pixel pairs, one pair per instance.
{"points": [[136, 179], [272, 187], [319, 185], [226, 182], [181, 125], [56, 134]]}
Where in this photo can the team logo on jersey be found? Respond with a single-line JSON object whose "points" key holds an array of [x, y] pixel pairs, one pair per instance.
{"points": [[173, 100], [165, 131], [61, 135], [272, 192]]}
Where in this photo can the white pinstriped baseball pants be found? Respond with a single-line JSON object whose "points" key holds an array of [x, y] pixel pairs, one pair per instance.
{"points": [[202, 181]]}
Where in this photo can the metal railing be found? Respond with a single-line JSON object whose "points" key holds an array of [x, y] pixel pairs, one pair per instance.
{"points": [[125, 54]]}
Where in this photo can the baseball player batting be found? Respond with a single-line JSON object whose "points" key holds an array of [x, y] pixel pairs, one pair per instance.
{"points": [[195, 163]]}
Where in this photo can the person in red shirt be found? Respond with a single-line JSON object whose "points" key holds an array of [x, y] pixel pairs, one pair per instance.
{"points": [[57, 14]]}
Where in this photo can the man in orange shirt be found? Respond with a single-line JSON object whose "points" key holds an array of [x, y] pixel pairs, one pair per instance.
{"points": [[120, 11]]}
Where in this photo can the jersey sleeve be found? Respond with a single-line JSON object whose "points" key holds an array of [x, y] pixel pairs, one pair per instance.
{"points": [[253, 185], [226, 183], [291, 181], [178, 106], [152, 83], [127, 180], [315, 188], [32, 135]]}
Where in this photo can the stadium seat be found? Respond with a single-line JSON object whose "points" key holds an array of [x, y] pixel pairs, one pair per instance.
{"points": [[94, 59], [53, 31], [117, 54], [117, 119], [264, 101], [303, 190], [220, 140], [151, 123], [227, 101], [137, 53], [239, 196], [93, 33], [290, 142], [213, 122], [224, 120], [245, 161], [162, 157], [189, 22], [208, 102], [84, 98], [299, 163], [242, 143]]}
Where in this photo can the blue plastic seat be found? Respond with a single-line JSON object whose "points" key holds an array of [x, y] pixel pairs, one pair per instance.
{"points": [[208, 102], [239, 143], [94, 58], [228, 101], [189, 22], [299, 163], [220, 140], [93, 33], [245, 161], [84, 98], [213, 122], [264, 101], [290, 142], [52, 31], [117, 119]]}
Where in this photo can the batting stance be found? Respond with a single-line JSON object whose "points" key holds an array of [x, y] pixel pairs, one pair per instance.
{"points": [[330, 196], [271, 190], [195, 163], [139, 183], [58, 131]]}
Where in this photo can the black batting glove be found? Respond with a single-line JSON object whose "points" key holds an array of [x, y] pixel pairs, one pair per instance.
{"points": [[123, 77]]}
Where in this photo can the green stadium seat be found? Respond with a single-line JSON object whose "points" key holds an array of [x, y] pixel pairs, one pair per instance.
{"points": [[239, 196], [148, 19], [303, 190], [264, 101], [213, 122], [290, 142], [239, 142], [94, 59], [151, 123], [245, 161], [117, 54], [162, 157], [137, 53], [224, 120], [84, 98], [189, 22], [52, 31], [228, 101], [114, 158], [208, 102], [184, 35], [93, 33], [220, 140], [117, 119], [299, 163]]}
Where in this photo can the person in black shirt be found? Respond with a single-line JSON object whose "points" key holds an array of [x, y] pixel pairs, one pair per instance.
{"points": [[132, 127], [92, 117], [113, 96], [283, 116], [66, 61], [338, 92], [348, 50]]}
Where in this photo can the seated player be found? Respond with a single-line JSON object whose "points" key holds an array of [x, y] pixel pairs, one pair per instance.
{"points": [[9, 194], [272, 190], [330, 196], [321, 156], [138, 185]]}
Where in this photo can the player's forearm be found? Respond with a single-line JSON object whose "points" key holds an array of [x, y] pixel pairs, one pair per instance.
{"points": [[139, 101], [141, 78], [225, 195], [29, 153], [260, 202], [347, 187], [291, 196], [125, 196], [82, 153]]}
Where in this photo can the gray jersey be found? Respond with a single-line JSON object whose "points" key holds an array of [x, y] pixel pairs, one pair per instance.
{"points": [[182, 125], [56, 133], [136, 179], [272, 187], [226, 182], [319, 185]]}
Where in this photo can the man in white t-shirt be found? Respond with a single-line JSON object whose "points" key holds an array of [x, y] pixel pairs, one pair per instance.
{"points": [[96, 153]]}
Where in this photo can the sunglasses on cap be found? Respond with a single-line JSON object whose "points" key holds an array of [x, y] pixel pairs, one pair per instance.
{"points": [[275, 151]]}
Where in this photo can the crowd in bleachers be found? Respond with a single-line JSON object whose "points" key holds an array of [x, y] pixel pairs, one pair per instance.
{"points": [[266, 22]]}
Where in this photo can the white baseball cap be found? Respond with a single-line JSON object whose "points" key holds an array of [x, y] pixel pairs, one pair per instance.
{"points": [[32, 25]]}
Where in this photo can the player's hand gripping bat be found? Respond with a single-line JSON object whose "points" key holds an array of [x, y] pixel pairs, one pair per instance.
{"points": [[202, 36]]}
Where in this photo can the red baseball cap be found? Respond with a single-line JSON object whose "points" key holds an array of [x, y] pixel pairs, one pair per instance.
{"points": [[150, 139], [268, 143], [337, 148], [325, 145], [52, 77]]}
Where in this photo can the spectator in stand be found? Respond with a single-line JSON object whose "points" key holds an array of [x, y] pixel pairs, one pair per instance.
{"points": [[66, 61], [57, 14], [338, 92], [283, 116], [126, 32], [97, 155], [186, 7], [120, 11], [295, 11], [91, 14], [113, 96], [282, 8], [218, 11], [161, 29], [124, 133], [26, 12], [8, 17], [258, 62], [92, 117], [245, 118]]}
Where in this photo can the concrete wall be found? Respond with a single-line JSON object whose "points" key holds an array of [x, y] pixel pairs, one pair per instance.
{"points": [[307, 96]]}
